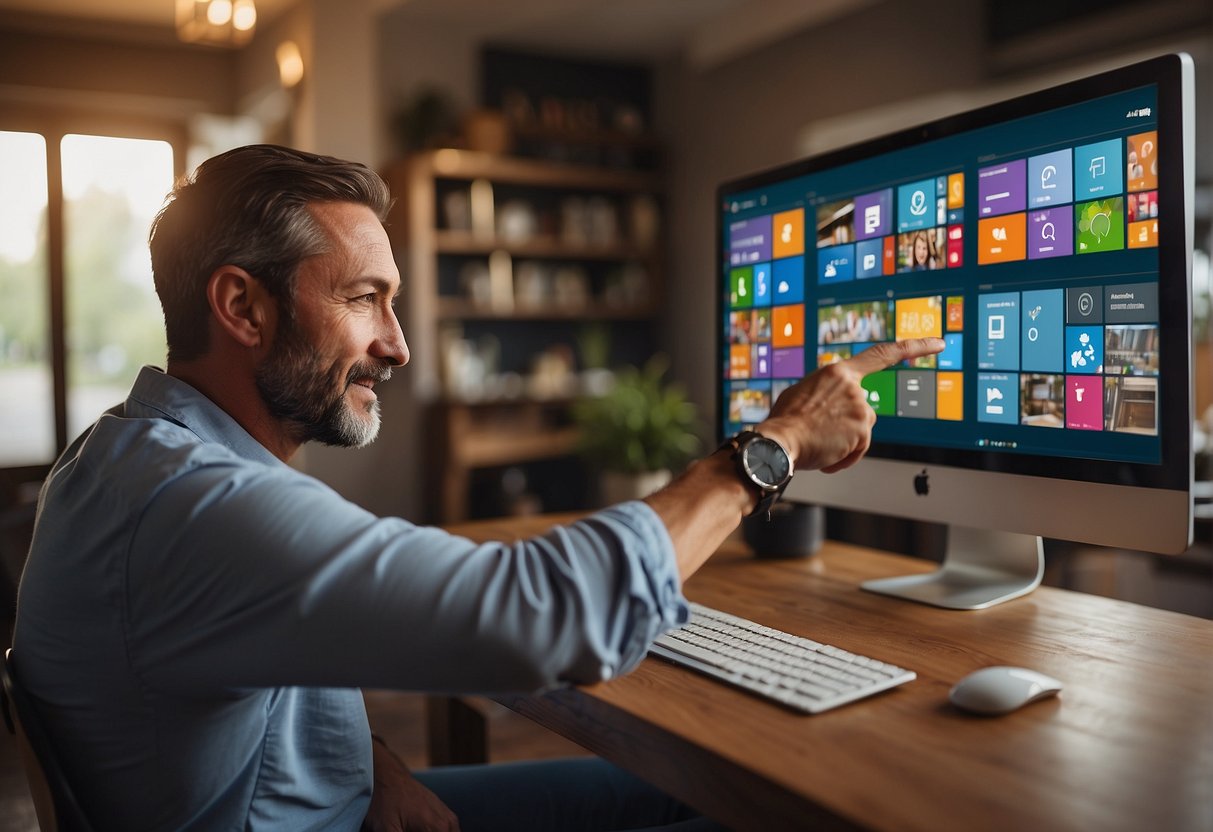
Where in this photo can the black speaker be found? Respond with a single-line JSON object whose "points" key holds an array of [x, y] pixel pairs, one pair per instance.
{"points": [[795, 530]]}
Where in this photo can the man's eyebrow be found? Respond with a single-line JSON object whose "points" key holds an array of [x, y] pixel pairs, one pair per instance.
{"points": [[380, 284]]}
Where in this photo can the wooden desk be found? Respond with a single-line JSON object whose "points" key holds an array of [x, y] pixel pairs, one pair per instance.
{"points": [[1127, 746]]}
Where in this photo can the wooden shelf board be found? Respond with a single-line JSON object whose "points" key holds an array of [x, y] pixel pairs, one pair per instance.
{"points": [[503, 447], [459, 309], [449, 163], [447, 241]]}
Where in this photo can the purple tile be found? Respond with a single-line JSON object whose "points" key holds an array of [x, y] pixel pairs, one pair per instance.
{"points": [[1002, 188], [1051, 233], [788, 363], [750, 241], [874, 214]]}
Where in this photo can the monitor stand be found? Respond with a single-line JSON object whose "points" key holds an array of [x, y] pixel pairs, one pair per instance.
{"points": [[981, 568]]}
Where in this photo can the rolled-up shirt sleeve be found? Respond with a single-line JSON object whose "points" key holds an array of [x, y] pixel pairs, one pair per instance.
{"points": [[243, 577]]}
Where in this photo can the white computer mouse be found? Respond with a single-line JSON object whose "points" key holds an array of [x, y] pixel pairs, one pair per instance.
{"points": [[1000, 690]]}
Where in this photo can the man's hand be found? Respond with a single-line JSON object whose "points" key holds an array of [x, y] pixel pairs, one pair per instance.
{"points": [[399, 803], [825, 420]]}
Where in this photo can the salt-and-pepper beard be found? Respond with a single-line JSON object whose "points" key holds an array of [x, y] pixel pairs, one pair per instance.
{"points": [[310, 399]]}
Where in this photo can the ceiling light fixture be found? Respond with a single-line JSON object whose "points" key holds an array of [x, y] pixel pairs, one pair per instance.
{"points": [[216, 22]]}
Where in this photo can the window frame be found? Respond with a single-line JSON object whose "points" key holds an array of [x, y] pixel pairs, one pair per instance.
{"points": [[53, 125]]}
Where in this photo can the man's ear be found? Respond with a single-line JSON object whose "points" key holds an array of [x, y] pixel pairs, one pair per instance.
{"points": [[242, 307]]}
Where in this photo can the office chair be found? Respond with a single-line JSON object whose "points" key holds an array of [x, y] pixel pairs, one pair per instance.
{"points": [[54, 801]]}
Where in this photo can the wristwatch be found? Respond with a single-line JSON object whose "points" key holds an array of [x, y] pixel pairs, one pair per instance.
{"points": [[762, 462]]}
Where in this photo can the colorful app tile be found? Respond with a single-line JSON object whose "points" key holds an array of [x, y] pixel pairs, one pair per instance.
{"points": [[1084, 402], [788, 363], [739, 327], [1084, 349], [1002, 188], [1131, 303], [916, 394], [833, 354], [787, 326], [739, 361], [836, 264], [1131, 405], [1042, 402], [956, 216], [956, 246], [919, 317], [998, 398], [1101, 225], [952, 356], [787, 229], [741, 287], [1084, 305], [749, 402], [1142, 206], [1051, 178], [882, 391], [835, 223], [1098, 170], [1131, 350], [1044, 324], [760, 361], [760, 324], [956, 190], [921, 250], [916, 205], [889, 260], [762, 284], [998, 336], [749, 240], [869, 259], [1050, 233], [874, 214], [1143, 234], [788, 280], [1002, 239], [955, 313], [949, 396], [1141, 161]]}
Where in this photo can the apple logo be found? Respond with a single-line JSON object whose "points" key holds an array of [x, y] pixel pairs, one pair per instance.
{"points": [[921, 485]]}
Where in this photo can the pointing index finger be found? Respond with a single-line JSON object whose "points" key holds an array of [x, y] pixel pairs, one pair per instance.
{"points": [[880, 356]]}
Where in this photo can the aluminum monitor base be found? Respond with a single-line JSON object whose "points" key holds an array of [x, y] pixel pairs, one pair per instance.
{"points": [[981, 568]]}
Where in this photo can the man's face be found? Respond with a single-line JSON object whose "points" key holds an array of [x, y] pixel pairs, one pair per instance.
{"points": [[343, 337]]}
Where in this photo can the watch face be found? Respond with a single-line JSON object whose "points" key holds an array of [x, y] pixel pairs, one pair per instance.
{"points": [[766, 462]]}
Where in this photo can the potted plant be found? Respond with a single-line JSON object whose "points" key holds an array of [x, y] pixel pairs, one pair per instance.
{"points": [[637, 432]]}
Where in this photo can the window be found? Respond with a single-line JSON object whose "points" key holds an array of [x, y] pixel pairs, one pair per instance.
{"points": [[78, 311]]}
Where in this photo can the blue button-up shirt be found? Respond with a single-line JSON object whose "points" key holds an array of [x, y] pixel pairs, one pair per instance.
{"points": [[196, 617]]}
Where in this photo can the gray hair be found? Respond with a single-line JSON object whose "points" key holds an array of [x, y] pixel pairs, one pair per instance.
{"points": [[247, 208]]}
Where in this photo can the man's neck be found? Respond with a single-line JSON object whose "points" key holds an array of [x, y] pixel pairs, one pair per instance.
{"points": [[231, 386]]}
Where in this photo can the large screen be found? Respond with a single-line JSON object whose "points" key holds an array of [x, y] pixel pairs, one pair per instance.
{"points": [[1047, 240]]}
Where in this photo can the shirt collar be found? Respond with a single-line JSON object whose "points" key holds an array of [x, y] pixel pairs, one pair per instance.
{"points": [[157, 395]]}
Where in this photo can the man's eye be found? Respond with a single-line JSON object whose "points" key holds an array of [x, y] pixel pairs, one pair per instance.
{"points": [[371, 298]]}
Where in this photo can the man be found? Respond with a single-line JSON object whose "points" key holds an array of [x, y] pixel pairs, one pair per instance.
{"points": [[196, 617]]}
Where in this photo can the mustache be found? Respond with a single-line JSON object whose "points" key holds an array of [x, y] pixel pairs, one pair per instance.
{"points": [[376, 371]]}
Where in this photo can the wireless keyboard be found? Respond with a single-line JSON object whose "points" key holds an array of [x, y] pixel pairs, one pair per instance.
{"points": [[798, 672]]}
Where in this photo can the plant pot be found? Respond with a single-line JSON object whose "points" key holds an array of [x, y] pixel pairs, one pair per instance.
{"points": [[618, 487]]}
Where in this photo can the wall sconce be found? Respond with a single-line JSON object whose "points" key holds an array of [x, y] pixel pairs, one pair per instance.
{"points": [[216, 22], [290, 64]]}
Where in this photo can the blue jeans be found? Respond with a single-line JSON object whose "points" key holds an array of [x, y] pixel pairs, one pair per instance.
{"points": [[585, 794]]}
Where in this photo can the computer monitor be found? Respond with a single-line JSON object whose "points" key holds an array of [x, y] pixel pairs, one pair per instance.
{"points": [[1048, 241]]}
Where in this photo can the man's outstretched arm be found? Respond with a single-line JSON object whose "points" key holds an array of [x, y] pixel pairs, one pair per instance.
{"points": [[825, 423]]}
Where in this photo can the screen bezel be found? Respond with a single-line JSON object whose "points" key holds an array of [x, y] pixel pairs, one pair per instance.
{"points": [[1174, 471]]}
